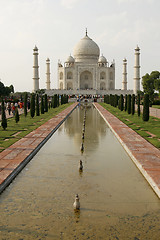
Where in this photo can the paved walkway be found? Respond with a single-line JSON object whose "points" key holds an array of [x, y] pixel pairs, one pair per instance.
{"points": [[145, 155], [14, 158]]}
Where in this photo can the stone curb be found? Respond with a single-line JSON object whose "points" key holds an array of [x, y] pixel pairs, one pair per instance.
{"points": [[19, 168], [150, 180]]}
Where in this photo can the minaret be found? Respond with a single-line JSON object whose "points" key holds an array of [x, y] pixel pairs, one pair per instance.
{"points": [[124, 81], [136, 71], [48, 74], [35, 70]]}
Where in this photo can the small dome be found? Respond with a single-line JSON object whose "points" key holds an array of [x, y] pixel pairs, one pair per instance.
{"points": [[70, 59], [102, 59], [86, 49]]}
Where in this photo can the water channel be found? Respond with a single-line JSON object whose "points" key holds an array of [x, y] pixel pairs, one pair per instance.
{"points": [[116, 201]]}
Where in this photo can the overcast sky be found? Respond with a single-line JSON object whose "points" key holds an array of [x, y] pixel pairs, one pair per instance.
{"points": [[56, 26]]}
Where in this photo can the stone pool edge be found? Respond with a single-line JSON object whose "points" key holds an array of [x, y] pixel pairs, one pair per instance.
{"points": [[19, 162], [145, 173]]}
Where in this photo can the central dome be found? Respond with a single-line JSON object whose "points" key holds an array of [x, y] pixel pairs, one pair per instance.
{"points": [[86, 49]]}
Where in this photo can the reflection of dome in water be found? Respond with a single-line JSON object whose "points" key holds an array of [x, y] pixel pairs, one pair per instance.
{"points": [[86, 48]]}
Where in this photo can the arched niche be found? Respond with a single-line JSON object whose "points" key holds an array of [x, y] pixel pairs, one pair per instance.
{"points": [[69, 86], [61, 86], [111, 85], [111, 76], [102, 86], [69, 75], [102, 75], [86, 80], [61, 75]]}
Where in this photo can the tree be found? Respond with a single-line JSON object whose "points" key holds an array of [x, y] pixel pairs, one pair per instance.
{"points": [[2, 89], [45, 103], [150, 83], [129, 104], [133, 104], [4, 119], [138, 105], [42, 105], [25, 104], [125, 107], [115, 100], [32, 110], [37, 105], [17, 115], [55, 101], [58, 100], [121, 102], [62, 102], [146, 108]]}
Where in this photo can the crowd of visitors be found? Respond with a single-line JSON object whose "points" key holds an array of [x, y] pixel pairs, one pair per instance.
{"points": [[10, 107]]}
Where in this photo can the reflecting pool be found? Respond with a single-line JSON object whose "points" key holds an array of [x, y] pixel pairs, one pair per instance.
{"points": [[116, 201]]}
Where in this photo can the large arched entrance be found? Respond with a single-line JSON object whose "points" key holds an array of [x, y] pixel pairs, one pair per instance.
{"points": [[86, 80]]}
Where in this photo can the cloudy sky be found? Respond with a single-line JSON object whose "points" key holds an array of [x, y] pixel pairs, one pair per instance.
{"points": [[56, 26]]}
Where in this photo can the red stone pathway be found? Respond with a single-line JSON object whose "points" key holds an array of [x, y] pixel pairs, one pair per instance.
{"points": [[14, 157], [145, 155]]}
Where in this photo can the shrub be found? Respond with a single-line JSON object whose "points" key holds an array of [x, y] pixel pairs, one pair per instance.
{"points": [[37, 105], [42, 105], [121, 102], [25, 104], [125, 107], [133, 104], [45, 103], [4, 119], [32, 111], [138, 105], [129, 104], [146, 108], [17, 115]]}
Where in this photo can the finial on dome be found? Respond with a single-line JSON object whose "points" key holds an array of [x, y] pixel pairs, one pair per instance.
{"points": [[86, 32]]}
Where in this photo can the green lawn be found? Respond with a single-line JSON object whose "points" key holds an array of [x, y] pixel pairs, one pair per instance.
{"points": [[149, 130], [16, 131], [156, 106]]}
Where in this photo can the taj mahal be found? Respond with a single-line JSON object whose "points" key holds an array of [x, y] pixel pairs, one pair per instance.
{"points": [[87, 72]]}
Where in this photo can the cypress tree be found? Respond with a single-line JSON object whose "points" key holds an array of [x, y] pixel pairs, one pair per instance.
{"points": [[17, 115], [121, 102], [52, 102], [62, 100], [133, 104], [146, 107], [42, 105], [58, 100], [115, 100], [105, 99], [129, 104], [138, 105], [37, 105], [55, 101], [125, 108], [45, 103], [4, 119], [32, 110], [25, 104]]}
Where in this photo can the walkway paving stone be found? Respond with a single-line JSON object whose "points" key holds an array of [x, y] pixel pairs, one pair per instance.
{"points": [[16, 154], [145, 155]]}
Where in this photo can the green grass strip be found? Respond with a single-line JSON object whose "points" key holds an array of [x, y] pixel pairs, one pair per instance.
{"points": [[148, 130], [16, 131]]}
